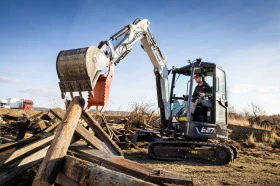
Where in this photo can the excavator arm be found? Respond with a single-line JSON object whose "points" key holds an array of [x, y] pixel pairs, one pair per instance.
{"points": [[81, 69]]}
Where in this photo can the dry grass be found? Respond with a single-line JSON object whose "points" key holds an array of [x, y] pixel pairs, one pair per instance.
{"points": [[274, 140], [239, 122], [256, 126], [251, 141], [245, 123], [265, 138]]}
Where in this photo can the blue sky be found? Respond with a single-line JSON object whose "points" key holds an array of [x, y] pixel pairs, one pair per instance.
{"points": [[242, 36]]}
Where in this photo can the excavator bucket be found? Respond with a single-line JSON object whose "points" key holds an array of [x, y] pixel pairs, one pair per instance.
{"points": [[102, 90], [79, 69]]}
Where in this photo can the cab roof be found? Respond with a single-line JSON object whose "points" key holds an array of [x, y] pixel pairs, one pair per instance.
{"points": [[203, 67]]}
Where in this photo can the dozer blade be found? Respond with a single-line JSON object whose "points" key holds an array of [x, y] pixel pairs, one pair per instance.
{"points": [[79, 69]]}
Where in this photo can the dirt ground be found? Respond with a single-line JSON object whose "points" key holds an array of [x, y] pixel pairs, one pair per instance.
{"points": [[253, 167]]}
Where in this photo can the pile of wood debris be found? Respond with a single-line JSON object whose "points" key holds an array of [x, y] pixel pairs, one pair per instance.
{"points": [[72, 148]]}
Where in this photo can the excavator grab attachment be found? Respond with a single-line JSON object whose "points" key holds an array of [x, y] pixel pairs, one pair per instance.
{"points": [[102, 90], [80, 70]]}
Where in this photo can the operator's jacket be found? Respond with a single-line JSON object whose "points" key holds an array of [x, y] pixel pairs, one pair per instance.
{"points": [[204, 88]]}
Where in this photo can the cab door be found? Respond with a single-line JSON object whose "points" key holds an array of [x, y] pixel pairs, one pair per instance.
{"points": [[221, 97]]}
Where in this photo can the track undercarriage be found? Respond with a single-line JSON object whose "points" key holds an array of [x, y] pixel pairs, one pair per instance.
{"points": [[205, 152]]}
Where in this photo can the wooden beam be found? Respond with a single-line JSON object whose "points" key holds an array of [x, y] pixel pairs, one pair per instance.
{"points": [[127, 166], [53, 126], [112, 132], [22, 130], [25, 151], [18, 167], [25, 124], [49, 168], [86, 173], [58, 112], [39, 115], [19, 163], [41, 124], [12, 146], [90, 138], [101, 134], [62, 179], [82, 132]]}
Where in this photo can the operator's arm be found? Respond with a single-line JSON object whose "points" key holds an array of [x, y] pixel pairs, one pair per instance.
{"points": [[208, 90], [195, 94]]}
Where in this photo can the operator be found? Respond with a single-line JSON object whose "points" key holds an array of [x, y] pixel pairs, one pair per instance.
{"points": [[201, 91]]}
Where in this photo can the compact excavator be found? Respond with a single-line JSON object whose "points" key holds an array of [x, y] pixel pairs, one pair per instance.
{"points": [[91, 69]]}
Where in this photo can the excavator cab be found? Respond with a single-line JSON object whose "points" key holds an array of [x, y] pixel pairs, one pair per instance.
{"points": [[187, 138], [183, 104]]}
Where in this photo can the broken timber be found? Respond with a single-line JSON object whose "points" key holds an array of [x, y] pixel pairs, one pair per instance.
{"points": [[101, 136], [86, 173], [13, 170], [25, 151], [129, 167], [49, 168], [12, 146], [104, 165]]}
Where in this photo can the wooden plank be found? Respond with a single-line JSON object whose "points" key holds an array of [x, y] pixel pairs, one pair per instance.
{"points": [[86, 173], [24, 125], [25, 151], [58, 112], [112, 132], [90, 138], [42, 124], [62, 179], [129, 167], [101, 134], [49, 168], [22, 130], [39, 115], [12, 146], [82, 132], [18, 167], [52, 127]]}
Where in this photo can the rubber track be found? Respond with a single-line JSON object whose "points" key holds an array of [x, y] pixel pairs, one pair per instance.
{"points": [[201, 144]]}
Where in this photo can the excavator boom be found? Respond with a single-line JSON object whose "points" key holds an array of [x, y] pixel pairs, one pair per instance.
{"points": [[80, 70]]}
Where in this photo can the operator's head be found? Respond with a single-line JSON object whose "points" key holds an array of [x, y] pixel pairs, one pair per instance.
{"points": [[198, 78]]}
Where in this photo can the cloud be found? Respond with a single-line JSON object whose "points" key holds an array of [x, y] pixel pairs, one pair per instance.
{"points": [[9, 79]]}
